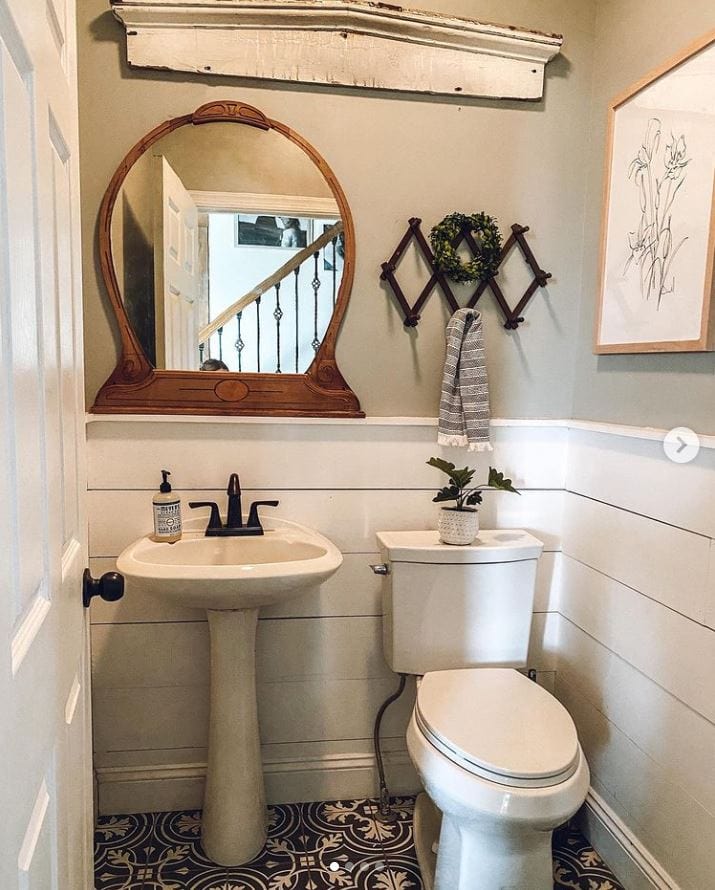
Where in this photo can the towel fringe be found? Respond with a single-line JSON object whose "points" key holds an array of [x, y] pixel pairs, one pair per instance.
{"points": [[461, 441], [457, 441], [480, 446]]}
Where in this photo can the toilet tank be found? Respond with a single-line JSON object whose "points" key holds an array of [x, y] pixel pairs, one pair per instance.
{"points": [[448, 607]]}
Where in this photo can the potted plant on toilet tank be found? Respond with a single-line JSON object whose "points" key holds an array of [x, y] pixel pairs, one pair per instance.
{"points": [[460, 524]]}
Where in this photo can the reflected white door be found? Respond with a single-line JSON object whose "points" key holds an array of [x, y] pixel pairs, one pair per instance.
{"points": [[45, 736], [178, 277]]}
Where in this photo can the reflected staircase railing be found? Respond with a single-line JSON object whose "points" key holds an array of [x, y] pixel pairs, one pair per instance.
{"points": [[274, 282]]}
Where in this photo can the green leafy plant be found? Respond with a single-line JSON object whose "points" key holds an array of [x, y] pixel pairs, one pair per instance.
{"points": [[460, 488]]}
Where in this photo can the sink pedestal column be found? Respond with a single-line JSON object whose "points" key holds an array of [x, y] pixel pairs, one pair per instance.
{"points": [[234, 817]]}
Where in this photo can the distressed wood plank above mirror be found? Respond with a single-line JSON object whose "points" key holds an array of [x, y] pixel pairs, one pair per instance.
{"points": [[354, 43], [227, 248]]}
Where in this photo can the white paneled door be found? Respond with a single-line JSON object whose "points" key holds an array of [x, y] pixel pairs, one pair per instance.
{"points": [[177, 274], [45, 766]]}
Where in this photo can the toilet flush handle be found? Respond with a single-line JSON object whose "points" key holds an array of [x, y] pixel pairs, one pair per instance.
{"points": [[381, 569]]}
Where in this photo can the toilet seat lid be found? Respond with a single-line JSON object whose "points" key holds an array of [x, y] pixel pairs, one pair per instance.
{"points": [[497, 723]]}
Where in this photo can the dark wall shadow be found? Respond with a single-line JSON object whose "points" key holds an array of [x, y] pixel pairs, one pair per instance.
{"points": [[138, 283]]}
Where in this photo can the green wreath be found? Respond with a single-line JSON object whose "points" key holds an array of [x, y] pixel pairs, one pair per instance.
{"points": [[487, 236]]}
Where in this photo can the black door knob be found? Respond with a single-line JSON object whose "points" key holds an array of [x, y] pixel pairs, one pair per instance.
{"points": [[109, 587]]}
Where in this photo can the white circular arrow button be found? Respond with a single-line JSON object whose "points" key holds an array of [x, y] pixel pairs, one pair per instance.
{"points": [[681, 445]]}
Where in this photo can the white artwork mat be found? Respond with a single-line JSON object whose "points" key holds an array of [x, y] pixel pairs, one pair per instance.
{"points": [[660, 208]]}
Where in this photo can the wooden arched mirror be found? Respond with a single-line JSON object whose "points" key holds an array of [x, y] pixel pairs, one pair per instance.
{"points": [[227, 248]]}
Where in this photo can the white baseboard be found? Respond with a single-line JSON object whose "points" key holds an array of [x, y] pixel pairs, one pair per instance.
{"points": [[629, 860], [180, 786]]}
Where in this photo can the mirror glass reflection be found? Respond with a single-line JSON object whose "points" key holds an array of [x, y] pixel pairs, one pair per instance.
{"points": [[228, 246]]}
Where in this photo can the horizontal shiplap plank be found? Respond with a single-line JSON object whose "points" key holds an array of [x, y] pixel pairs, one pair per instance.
{"points": [[169, 655], [675, 736], [177, 654], [636, 474], [350, 518], [328, 648], [664, 563], [677, 830], [139, 656], [353, 590], [126, 719], [675, 652], [301, 711], [297, 455]]}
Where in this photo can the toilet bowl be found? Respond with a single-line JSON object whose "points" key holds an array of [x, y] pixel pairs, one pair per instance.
{"points": [[499, 758], [498, 755]]}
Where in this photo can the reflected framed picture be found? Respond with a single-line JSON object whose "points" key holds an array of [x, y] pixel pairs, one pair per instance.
{"points": [[256, 230], [658, 230]]}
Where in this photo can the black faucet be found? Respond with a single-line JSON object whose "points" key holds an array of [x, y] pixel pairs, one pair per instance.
{"points": [[234, 518]]}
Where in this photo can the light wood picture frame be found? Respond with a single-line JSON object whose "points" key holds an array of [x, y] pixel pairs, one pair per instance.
{"points": [[656, 286]]}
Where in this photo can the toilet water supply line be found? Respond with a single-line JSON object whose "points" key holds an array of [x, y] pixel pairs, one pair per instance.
{"points": [[385, 812]]}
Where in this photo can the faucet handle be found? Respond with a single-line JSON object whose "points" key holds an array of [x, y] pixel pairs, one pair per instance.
{"points": [[214, 518], [234, 485], [253, 520]]}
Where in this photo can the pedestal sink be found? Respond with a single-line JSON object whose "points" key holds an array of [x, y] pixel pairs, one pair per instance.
{"points": [[232, 577]]}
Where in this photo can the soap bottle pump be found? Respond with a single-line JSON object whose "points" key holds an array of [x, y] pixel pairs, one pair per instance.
{"points": [[167, 512]]}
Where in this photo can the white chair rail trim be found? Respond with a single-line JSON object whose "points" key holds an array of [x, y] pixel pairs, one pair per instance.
{"points": [[612, 429]]}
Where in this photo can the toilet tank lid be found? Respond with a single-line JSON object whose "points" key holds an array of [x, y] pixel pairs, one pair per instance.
{"points": [[491, 545]]}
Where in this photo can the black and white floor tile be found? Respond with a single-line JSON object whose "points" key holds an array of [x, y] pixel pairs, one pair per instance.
{"points": [[332, 845]]}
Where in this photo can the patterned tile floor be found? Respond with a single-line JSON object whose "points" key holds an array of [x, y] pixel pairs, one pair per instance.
{"points": [[335, 845]]}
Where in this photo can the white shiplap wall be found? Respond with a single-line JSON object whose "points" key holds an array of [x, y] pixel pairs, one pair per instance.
{"points": [[321, 673], [624, 629], [636, 651]]}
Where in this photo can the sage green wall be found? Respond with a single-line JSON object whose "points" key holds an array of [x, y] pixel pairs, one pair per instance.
{"points": [[396, 157], [633, 37]]}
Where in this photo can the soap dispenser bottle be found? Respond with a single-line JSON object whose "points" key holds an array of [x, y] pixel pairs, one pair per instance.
{"points": [[167, 512]]}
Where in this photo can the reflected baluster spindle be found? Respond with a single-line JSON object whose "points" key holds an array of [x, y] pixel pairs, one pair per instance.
{"points": [[239, 341], [335, 269], [296, 274], [258, 335], [278, 315], [315, 284]]}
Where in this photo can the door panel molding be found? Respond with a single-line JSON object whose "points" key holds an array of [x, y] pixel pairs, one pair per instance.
{"points": [[28, 630]]}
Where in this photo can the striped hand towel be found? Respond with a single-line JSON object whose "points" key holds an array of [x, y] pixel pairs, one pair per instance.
{"points": [[464, 405]]}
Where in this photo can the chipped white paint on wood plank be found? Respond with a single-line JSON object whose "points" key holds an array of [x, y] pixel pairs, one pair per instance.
{"points": [[340, 42]]}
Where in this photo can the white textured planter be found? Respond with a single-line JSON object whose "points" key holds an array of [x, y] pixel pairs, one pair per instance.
{"points": [[457, 526]]}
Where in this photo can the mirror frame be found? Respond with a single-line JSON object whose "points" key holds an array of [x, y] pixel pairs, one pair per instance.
{"points": [[137, 387]]}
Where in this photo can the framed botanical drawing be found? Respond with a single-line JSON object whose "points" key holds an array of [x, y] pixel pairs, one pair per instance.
{"points": [[658, 241]]}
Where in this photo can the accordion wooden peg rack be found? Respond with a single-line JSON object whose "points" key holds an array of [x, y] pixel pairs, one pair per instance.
{"points": [[512, 317]]}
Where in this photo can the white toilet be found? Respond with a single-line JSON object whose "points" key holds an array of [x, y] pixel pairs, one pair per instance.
{"points": [[497, 754]]}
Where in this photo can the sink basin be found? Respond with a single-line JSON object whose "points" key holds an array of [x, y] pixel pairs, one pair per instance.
{"points": [[232, 573], [232, 578]]}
